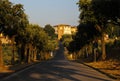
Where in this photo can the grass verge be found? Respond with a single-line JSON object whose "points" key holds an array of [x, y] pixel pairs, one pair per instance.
{"points": [[111, 68]]}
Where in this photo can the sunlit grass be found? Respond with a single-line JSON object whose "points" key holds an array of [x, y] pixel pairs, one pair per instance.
{"points": [[111, 67]]}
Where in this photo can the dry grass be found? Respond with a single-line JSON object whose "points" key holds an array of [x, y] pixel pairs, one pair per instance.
{"points": [[9, 69], [5, 69], [111, 67]]}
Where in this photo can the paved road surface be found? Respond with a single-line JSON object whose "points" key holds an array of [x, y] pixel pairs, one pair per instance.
{"points": [[58, 69]]}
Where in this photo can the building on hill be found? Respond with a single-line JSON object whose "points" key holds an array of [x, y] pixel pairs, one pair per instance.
{"points": [[63, 29]]}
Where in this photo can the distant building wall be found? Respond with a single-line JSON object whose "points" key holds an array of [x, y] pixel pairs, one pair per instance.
{"points": [[62, 29]]}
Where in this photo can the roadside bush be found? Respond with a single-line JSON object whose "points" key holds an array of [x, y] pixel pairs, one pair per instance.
{"points": [[7, 54], [117, 43]]}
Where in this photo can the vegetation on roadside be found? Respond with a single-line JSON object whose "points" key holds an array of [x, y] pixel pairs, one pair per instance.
{"points": [[97, 39], [29, 42]]}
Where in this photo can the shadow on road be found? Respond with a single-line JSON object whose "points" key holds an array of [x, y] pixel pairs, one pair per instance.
{"points": [[57, 69]]}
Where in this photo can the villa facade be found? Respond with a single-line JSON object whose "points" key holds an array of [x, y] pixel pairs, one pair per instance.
{"points": [[63, 29]]}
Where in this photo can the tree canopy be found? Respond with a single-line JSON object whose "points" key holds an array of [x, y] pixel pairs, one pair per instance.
{"points": [[106, 9], [50, 31], [12, 18], [28, 39], [95, 15]]}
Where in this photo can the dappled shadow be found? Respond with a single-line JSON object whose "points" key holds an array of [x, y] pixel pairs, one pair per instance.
{"points": [[58, 69], [55, 71]]}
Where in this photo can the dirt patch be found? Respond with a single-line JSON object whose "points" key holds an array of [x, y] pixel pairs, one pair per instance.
{"points": [[7, 70]]}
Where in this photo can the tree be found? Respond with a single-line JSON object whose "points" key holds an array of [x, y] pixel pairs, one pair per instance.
{"points": [[100, 13], [86, 30], [1, 56], [108, 11], [12, 20], [31, 41], [50, 31], [4, 10], [113, 30], [86, 13], [66, 39]]}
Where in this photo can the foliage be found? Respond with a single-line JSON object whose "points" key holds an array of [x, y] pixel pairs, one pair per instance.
{"points": [[117, 43], [94, 19], [7, 53], [109, 10], [113, 30], [87, 29], [86, 13], [33, 39], [66, 39], [86, 33], [12, 18], [106, 13], [30, 39], [50, 31], [51, 45]]}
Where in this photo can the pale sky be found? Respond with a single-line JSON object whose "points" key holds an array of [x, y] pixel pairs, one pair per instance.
{"points": [[51, 12]]}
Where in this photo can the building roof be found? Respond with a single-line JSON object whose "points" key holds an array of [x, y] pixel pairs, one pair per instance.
{"points": [[61, 25]]}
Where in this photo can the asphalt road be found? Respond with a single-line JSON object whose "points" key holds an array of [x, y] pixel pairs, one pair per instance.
{"points": [[58, 69]]}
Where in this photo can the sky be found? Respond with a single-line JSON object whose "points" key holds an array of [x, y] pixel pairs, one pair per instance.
{"points": [[51, 12]]}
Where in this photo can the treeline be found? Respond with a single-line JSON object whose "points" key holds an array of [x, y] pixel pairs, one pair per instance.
{"points": [[98, 18], [30, 41]]}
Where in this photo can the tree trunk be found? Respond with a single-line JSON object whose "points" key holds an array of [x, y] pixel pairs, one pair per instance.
{"points": [[75, 55], [19, 49], [34, 54], [22, 53], [25, 53], [1, 56], [95, 55], [13, 50], [103, 47], [28, 55], [42, 56]]}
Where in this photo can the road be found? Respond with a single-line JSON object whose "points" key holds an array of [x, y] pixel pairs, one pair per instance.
{"points": [[58, 69]]}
